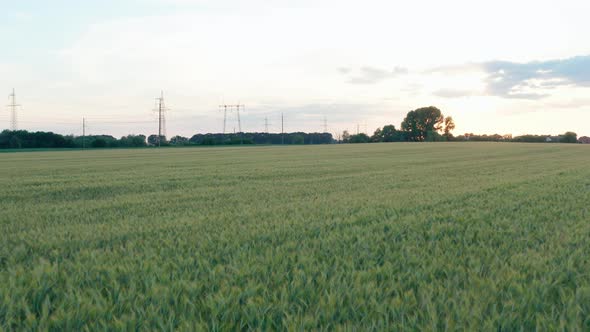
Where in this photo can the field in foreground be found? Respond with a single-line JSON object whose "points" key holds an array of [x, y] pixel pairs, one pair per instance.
{"points": [[474, 236]]}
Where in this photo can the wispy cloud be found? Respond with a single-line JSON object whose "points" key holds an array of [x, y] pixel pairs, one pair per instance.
{"points": [[529, 80], [572, 103], [455, 93], [372, 75]]}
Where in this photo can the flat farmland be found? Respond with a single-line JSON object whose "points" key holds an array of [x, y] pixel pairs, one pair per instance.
{"points": [[401, 236]]}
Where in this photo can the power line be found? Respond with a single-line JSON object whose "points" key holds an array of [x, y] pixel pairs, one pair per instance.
{"points": [[13, 105]]}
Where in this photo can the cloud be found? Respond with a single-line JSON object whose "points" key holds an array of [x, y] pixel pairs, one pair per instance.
{"points": [[531, 80], [454, 69], [344, 70], [513, 80], [455, 93], [572, 103], [372, 75], [510, 80]]}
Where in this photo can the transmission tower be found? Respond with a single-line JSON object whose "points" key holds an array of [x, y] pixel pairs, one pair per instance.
{"points": [[325, 124], [231, 108], [161, 109], [13, 106], [266, 124], [83, 133]]}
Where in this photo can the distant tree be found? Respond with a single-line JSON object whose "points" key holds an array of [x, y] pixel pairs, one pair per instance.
{"points": [[345, 136], [419, 122], [99, 143], [178, 140], [390, 134], [530, 138], [449, 127], [387, 134], [377, 136], [15, 142], [359, 138], [433, 136], [410, 125], [569, 137], [207, 141], [137, 140], [132, 141], [153, 140], [297, 139], [262, 138]]}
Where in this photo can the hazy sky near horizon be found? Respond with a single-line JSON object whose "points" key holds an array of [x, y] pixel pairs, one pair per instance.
{"points": [[495, 66]]}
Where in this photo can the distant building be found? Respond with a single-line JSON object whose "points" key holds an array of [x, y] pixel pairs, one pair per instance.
{"points": [[584, 140], [552, 139]]}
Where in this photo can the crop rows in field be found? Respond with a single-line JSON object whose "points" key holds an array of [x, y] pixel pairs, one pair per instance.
{"points": [[474, 236]]}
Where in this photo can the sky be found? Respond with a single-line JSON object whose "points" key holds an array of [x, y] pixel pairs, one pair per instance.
{"points": [[506, 67]]}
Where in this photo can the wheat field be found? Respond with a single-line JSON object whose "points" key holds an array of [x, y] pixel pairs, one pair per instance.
{"points": [[400, 236]]}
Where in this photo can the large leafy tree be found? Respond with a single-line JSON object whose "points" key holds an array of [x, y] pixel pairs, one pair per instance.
{"points": [[420, 122], [449, 126], [387, 134], [390, 134], [377, 135]]}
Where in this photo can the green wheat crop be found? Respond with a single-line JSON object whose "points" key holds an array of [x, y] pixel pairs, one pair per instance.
{"points": [[448, 236]]}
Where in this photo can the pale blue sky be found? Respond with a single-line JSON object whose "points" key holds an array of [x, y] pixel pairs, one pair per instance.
{"points": [[34, 27], [496, 67]]}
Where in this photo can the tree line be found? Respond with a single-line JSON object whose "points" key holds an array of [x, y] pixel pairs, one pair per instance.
{"points": [[426, 124], [22, 139], [262, 138]]}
